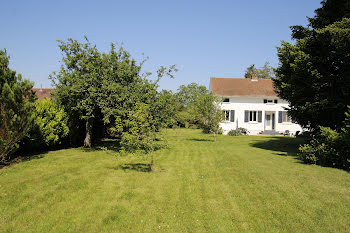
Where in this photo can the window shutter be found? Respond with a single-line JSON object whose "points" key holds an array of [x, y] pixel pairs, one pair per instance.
{"points": [[276, 101], [246, 116], [259, 116], [279, 116], [265, 101], [232, 117]]}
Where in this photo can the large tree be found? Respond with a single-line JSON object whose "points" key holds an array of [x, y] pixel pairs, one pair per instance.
{"points": [[16, 108], [314, 73], [79, 81], [109, 88]]}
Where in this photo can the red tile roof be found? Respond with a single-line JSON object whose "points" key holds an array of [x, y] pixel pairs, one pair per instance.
{"points": [[242, 87], [43, 93]]}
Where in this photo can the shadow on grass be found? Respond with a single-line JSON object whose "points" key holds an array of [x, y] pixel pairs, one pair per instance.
{"points": [[199, 139], [109, 144], [25, 156], [140, 167], [283, 146]]}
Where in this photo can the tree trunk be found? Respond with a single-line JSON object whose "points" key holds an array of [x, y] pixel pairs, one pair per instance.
{"points": [[152, 165], [214, 137], [88, 135]]}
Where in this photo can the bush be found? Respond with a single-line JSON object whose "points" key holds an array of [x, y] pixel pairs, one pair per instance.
{"points": [[328, 148], [50, 126], [243, 131], [234, 132]]}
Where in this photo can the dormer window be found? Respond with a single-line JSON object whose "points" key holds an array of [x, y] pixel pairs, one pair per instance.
{"points": [[270, 101], [226, 100]]}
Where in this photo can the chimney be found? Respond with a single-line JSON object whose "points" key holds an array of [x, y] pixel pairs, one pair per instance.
{"points": [[254, 77]]}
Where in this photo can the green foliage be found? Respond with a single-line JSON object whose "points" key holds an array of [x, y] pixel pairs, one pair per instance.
{"points": [[234, 132], [140, 134], [198, 107], [207, 107], [188, 97], [265, 72], [328, 148], [50, 126], [109, 88], [16, 108], [78, 83], [313, 75], [166, 108]]}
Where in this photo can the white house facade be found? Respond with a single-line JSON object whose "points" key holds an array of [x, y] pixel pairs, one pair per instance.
{"points": [[252, 104]]}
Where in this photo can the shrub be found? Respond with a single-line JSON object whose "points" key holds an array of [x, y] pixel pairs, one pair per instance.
{"points": [[243, 131], [234, 132], [328, 148], [50, 126]]}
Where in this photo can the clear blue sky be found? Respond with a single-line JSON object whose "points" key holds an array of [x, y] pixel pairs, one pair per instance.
{"points": [[204, 38]]}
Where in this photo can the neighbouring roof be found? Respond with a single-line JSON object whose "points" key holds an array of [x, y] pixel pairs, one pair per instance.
{"points": [[43, 93], [242, 87]]}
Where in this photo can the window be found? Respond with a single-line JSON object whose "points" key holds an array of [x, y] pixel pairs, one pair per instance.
{"points": [[268, 101], [226, 100], [226, 115], [275, 101], [252, 116], [285, 117]]}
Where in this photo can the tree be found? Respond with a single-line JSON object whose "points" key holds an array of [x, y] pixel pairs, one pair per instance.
{"points": [[16, 108], [313, 74], [166, 107], [265, 72], [109, 88], [188, 97], [208, 108], [79, 81], [251, 71]]}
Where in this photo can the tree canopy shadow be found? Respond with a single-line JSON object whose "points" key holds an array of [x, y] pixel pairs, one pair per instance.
{"points": [[200, 139], [284, 146], [109, 144], [22, 157], [140, 167]]}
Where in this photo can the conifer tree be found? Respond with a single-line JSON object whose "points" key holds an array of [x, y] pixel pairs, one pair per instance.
{"points": [[16, 108]]}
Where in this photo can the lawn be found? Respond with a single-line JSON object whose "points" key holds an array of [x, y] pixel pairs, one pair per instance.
{"points": [[238, 184]]}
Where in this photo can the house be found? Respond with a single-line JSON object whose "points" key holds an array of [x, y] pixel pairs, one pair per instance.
{"points": [[43, 93], [254, 105]]}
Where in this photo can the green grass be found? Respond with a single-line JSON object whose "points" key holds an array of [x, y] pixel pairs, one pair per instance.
{"points": [[238, 184]]}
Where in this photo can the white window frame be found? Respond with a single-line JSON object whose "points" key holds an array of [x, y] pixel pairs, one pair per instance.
{"points": [[226, 113], [252, 116]]}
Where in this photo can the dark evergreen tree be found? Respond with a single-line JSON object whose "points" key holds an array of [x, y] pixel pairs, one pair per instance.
{"points": [[16, 108], [314, 74]]}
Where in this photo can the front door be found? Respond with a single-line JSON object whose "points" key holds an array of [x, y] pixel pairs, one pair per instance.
{"points": [[268, 121]]}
